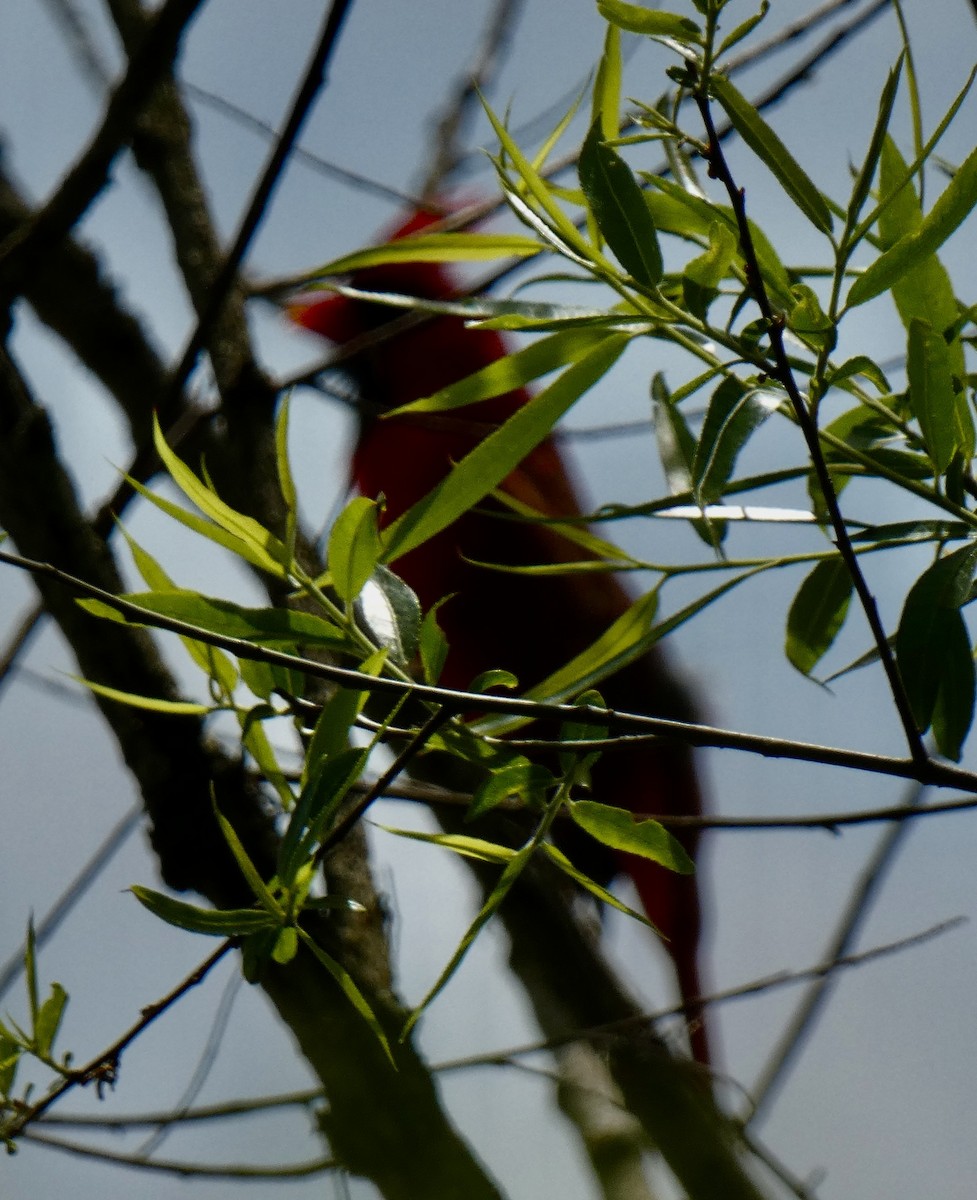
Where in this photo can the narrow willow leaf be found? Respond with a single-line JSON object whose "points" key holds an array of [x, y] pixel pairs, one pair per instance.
{"points": [[49, 1019], [493, 459], [331, 733], [861, 364], [512, 372], [285, 481], [224, 923], [354, 547], [510, 875], [521, 779], [10, 1056], [734, 414], [702, 275], [947, 214], [946, 425], [768, 147], [321, 797], [618, 828], [255, 742], [743, 30], [676, 449], [349, 989], [817, 614], [435, 248], [931, 639], [560, 227], [866, 173], [264, 626], [249, 531], [245, 550], [433, 645], [467, 847], [607, 86], [173, 708], [652, 22], [925, 292], [676, 445], [248, 869], [560, 860], [619, 209], [212, 661]]}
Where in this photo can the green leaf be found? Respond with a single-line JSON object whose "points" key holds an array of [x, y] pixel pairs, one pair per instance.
{"points": [[861, 364], [925, 292], [260, 542], [349, 989], [321, 797], [512, 372], [702, 275], [243, 549], [863, 181], [433, 645], [817, 613], [618, 828], [667, 210], [331, 734], [945, 217], [354, 547], [434, 248], [772, 152], [285, 481], [743, 30], [734, 414], [560, 230], [224, 923], [560, 860], [493, 459], [520, 779], [173, 708], [286, 945], [619, 208], [10, 1055], [248, 869], [49, 1020], [931, 642], [467, 847], [389, 608], [264, 626], [650, 21], [946, 423], [607, 86]]}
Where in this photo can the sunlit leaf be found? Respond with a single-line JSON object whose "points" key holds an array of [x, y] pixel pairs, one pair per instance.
{"points": [[618, 828], [768, 147], [224, 923]]}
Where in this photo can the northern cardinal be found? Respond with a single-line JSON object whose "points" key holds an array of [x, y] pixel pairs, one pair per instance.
{"points": [[529, 625]]}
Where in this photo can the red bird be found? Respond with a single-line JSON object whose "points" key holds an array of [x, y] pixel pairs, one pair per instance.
{"points": [[529, 625]]}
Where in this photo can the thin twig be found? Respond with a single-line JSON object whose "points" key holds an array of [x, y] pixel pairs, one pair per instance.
{"points": [[82, 183], [103, 1069], [11, 970], [312, 82], [781, 371], [766, 983], [242, 1171], [793, 1038], [930, 771]]}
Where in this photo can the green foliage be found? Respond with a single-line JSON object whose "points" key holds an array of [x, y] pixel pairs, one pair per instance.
{"points": [[685, 264]]}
